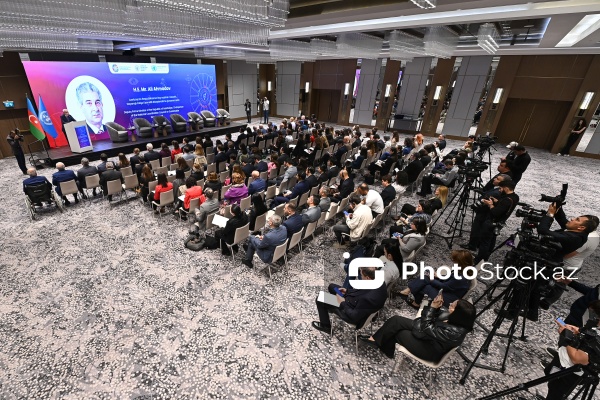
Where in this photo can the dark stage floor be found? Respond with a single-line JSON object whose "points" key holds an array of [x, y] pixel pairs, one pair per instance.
{"points": [[65, 155]]}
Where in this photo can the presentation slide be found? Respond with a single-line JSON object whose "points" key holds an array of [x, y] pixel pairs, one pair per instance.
{"points": [[119, 92]]}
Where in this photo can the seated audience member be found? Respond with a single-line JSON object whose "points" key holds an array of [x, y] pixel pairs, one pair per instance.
{"points": [[292, 221], [146, 177], [441, 142], [445, 179], [297, 191], [454, 288], [193, 192], [164, 151], [355, 223], [424, 211], [86, 170], [436, 202], [424, 157], [313, 212], [355, 306], [264, 245], [209, 206], [135, 159], [123, 161], [260, 165], [35, 180], [197, 171], [400, 182], [358, 160], [408, 147], [258, 184], [388, 194], [259, 207], [392, 261], [410, 240], [207, 142], [371, 198], [344, 189], [227, 234], [176, 150], [427, 337], [414, 168], [324, 201], [150, 154], [237, 191], [64, 175], [182, 164], [199, 157], [311, 179], [102, 166], [179, 182], [290, 172], [163, 185], [213, 182]]}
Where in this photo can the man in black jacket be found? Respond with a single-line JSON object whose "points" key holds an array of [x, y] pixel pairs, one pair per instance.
{"points": [[227, 234], [388, 194], [414, 168], [149, 156], [495, 211], [355, 306], [14, 140], [85, 170], [520, 163], [109, 175]]}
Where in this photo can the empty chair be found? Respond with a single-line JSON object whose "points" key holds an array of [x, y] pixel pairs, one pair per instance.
{"points": [[224, 116], [143, 127], [126, 170], [223, 176], [208, 118], [245, 203], [178, 122], [196, 121], [117, 132], [155, 164], [162, 125], [160, 170], [165, 162], [296, 240], [114, 187], [210, 158]]}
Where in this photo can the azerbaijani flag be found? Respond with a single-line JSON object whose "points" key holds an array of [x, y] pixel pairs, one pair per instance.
{"points": [[46, 121], [34, 124]]}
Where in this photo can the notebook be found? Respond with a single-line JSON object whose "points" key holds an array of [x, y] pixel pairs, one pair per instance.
{"points": [[328, 298], [220, 221]]}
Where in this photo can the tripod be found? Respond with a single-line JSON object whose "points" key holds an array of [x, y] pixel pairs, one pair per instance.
{"points": [[517, 295], [481, 155], [589, 382], [456, 219]]}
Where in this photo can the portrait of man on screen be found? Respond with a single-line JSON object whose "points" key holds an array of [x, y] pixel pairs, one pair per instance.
{"points": [[90, 100]]}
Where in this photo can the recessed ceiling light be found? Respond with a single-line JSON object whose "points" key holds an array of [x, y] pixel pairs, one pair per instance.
{"points": [[588, 25]]}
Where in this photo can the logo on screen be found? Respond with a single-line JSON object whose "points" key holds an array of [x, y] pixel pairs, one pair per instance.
{"points": [[115, 68], [203, 93]]}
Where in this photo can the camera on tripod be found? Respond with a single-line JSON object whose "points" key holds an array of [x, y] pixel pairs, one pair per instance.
{"points": [[587, 340], [473, 170]]}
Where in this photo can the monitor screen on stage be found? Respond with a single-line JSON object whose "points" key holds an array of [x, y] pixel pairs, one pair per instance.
{"points": [[119, 92]]}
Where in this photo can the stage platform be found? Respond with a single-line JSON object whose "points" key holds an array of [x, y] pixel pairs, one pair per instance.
{"points": [[65, 155]]}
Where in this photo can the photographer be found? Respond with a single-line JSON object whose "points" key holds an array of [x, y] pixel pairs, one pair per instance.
{"points": [[15, 139], [520, 162], [568, 356], [489, 217]]}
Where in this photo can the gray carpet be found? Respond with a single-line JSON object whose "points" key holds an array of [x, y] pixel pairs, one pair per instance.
{"points": [[104, 302]]}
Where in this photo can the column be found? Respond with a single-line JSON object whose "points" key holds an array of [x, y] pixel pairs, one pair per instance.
{"points": [[367, 90], [241, 82], [288, 88]]}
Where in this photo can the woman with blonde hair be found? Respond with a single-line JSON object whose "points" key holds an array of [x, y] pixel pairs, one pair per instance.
{"points": [[199, 153], [237, 191]]}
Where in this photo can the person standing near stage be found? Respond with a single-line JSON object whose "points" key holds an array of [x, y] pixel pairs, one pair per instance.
{"points": [[15, 139], [266, 111], [248, 108]]}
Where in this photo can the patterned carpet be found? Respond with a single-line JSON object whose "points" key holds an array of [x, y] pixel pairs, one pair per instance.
{"points": [[104, 302]]}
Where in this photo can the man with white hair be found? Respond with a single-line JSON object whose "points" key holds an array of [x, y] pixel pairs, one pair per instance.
{"points": [[151, 154], [64, 175], [265, 245]]}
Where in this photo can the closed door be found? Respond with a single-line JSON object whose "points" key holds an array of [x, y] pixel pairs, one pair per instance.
{"points": [[532, 123], [327, 104]]}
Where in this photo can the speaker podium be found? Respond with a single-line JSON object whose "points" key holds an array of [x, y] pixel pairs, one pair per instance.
{"points": [[78, 136]]}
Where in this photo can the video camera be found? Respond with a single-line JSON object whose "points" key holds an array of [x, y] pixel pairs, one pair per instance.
{"points": [[587, 340], [473, 170], [558, 200]]}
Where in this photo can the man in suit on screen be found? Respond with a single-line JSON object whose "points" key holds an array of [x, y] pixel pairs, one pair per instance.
{"points": [[90, 99]]}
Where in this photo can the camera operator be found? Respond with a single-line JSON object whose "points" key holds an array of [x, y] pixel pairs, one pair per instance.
{"points": [[520, 162], [489, 219], [568, 356]]}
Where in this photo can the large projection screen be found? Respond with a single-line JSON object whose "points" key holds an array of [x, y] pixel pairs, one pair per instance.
{"points": [[119, 92]]}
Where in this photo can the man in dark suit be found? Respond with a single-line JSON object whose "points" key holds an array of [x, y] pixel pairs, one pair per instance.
{"points": [[241, 137], [355, 306], [248, 165], [248, 108], [520, 162], [85, 170], [440, 143], [102, 166], [260, 165], [265, 245], [65, 118], [227, 234], [414, 168], [388, 194], [221, 155], [257, 185], [311, 179], [109, 175], [151, 154], [333, 170], [63, 175], [292, 220], [298, 190], [135, 158], [14, 139], [207, 142], [504, 168], [345, 187]]}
